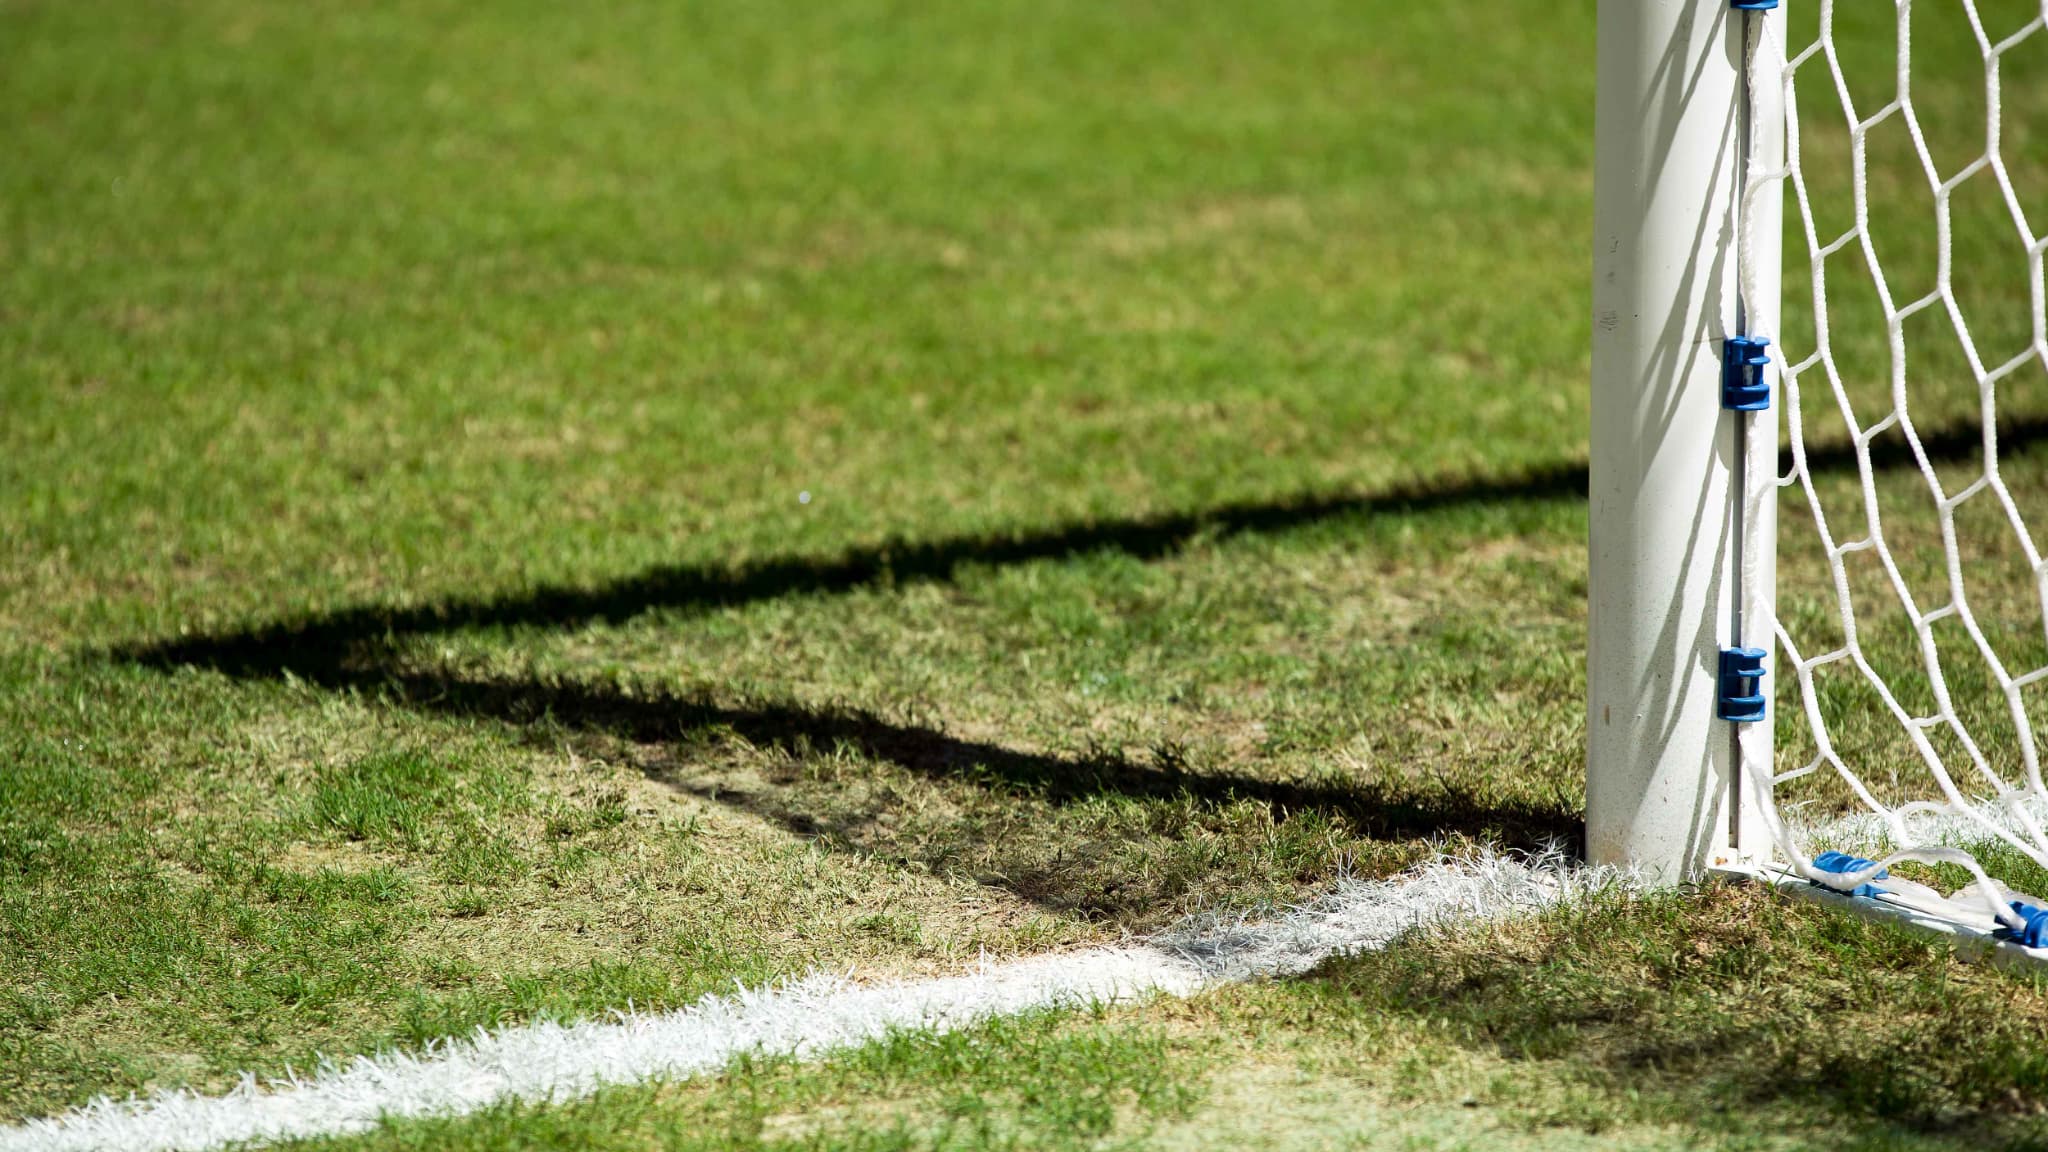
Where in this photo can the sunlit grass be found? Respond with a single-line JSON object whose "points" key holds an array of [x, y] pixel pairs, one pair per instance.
{"points": [[511, 510]]}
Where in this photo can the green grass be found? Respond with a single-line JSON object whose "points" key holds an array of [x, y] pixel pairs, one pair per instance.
{"points": [[509, 510], [1729, 1018], [1041, 1080]]}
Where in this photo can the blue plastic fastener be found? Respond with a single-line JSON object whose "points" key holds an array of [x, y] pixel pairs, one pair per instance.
{"points": [[2034, 933], [1841, 864], [1743, 387], [1741, 699], [1752, 5]]}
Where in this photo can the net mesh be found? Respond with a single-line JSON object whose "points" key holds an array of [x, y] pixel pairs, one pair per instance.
{"points": [[1912, 602]]}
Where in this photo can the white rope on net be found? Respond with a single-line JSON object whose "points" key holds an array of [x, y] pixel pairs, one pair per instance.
{"points": [[1990, 806]]}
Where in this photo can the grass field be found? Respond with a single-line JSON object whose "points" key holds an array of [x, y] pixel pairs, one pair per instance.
{"points": [[513, 509]]}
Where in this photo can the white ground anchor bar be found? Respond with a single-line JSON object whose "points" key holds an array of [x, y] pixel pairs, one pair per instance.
{"points": [[1974, 938]]}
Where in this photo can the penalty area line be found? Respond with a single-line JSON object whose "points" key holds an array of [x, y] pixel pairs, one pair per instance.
{"points": [[549, 1061]]}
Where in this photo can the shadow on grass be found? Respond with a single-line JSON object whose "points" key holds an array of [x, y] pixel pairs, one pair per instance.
{"points": [[264, 651], [662, 718], [327, 638], [358, 649]]}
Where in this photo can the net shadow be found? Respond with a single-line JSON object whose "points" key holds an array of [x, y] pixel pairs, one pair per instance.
{"points": [[268, 650]]}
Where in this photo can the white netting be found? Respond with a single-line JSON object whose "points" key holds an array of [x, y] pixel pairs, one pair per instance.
{"points": [[1912, 597]]}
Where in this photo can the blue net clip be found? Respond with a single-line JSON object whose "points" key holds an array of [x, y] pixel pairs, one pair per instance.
{"points": [[1752, 5], [1741, 696], [1841, 864], [1743, 387], [2035, 932]]}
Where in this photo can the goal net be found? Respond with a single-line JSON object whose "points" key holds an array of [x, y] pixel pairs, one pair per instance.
{"points": [[1912, 606]]}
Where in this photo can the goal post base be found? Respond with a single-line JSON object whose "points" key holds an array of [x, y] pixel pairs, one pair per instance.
{"points": [[1974, 941]]}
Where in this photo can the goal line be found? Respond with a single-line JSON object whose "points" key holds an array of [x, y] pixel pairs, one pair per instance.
{"points": [[553, 1061]]}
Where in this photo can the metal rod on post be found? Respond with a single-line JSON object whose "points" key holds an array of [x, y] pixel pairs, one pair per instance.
{"points": [[1662, 782], [1760, 235]]}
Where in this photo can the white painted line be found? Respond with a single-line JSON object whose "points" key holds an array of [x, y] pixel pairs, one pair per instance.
{"points": [[554, 1062], [550, 1061], [1361, 916]]}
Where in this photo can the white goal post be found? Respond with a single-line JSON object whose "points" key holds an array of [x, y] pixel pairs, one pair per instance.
{"points": [[1663, 785], [1715, 129]]}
